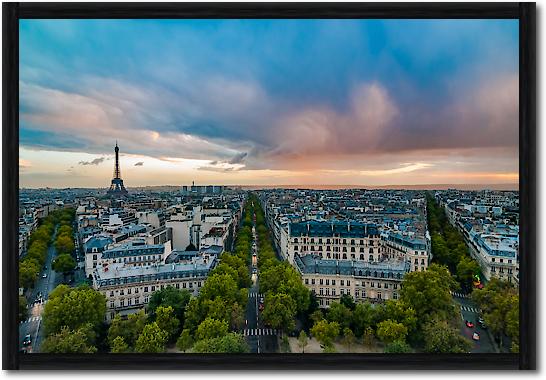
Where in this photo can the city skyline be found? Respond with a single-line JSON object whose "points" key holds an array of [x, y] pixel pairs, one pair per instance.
{"points": [[336, 102]]}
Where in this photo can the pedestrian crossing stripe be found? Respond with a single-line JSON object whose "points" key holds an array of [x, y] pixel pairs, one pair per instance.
{"points": [[468, 308], [32, 319], [459, 295], [254, 295], [259, 332]]}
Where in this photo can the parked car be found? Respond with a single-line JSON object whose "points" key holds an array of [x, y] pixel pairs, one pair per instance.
{"points": [[469, 324], [476, 336], [44, 275]]}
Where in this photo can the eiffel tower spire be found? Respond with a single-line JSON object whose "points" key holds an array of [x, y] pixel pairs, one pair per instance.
{"points": [[117, 189]]}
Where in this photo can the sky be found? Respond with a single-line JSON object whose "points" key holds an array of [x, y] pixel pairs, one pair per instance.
{"points": [[268, 102]]}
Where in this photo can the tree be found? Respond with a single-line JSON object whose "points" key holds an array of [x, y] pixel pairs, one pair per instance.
{"points": [[397, 347], [347, 301], [64, 244], [152, 339], [64, 263], [316, 316], [23, 311], [237, 318], [170, 296], [230, 343], [129, 329], [279, 311], [368, 336], [441, 338], [164, 316], [428, 292], [363, 317], [221, 285], [185, 341], [73, 308], [211, 328], [325, 332], [348, 338], [28, 273], [339, 313], [389, 331], [302, 341], [68, 341], [466, 269], [119, 346]]}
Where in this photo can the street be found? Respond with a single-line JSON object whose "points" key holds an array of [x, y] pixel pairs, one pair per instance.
{"points": [[260, 339], [43, 286], [470, 312]]}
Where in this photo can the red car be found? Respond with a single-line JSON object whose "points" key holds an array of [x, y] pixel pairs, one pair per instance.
{"points": [[469, 324]]}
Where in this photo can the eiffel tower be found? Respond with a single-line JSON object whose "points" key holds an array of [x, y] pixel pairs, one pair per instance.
{"points": [[117, 190]]}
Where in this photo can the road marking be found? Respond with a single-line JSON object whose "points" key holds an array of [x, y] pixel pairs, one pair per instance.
{"points": [[259, 332]]}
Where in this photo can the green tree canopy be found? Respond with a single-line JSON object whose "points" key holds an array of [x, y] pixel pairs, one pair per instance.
{"points": [[152, 339], [303, 340], [279, 311], [64, 263], [230, 343], [119, 346], [73, 308], [68, 341], [325, 332], [339, 313], [169, 296], [441, 338], [397, 347], [167, 321], [389, 331], [129, 329], [363, 317], [211, 328], [428, 292], [185, 341]]}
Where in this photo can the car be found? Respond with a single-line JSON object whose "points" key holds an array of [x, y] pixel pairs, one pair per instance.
{"points": [[254, 271], [476, 336], [44, 275], [261, 300], [27, 341], [469, 324], [261, 307]]}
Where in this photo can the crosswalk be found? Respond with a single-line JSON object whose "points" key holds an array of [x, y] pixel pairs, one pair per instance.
{"points": [[469, 308], [257, 332], [32, 319], [255, 295], [459, 295]]}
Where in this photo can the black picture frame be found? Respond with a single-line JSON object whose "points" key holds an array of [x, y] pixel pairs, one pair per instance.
{"points": [[524, 12]]}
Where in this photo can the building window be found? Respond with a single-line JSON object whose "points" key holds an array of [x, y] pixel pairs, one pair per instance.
{"points": [[111, 304], [129, 291], [345, 256], [145, 289], [379, 296], [153, 288], [306, 281], [327, 282], [321, 281], [333, 282], [111, 293], [348, 282], [395, 296], [321, 291], [312, 281], [342, 282]]}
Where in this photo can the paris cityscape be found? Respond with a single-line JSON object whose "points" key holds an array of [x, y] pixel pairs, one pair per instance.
{"points": [[231, 189]]}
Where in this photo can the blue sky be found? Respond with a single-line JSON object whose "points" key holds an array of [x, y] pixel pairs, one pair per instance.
{"points": [[269, 101]]}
